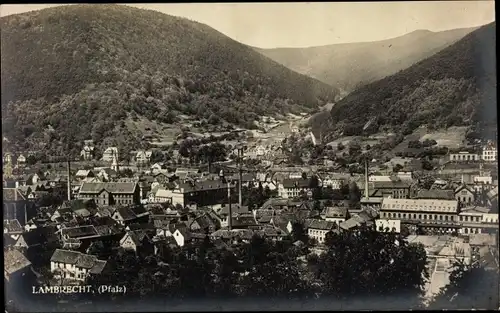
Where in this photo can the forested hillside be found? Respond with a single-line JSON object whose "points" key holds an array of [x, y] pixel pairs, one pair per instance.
{"points": [[455, 87], [95, 65], [349, 66]]}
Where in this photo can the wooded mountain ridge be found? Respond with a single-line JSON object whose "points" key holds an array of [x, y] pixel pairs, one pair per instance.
{"points": [[349, 66], [455, 87], [78, 71]]}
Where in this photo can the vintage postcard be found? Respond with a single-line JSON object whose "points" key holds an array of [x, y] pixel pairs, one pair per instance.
{"points": [[249, 156]]}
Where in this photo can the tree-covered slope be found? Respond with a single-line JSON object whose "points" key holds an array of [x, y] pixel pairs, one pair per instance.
{"points": [[455, 87], [94, 65], [349, 66]]}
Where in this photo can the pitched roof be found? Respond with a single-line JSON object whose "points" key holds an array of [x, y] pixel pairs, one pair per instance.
{"points": [[137, 236], [14, 261], [12, 226], [38, 235], [320, 224], [79, 231], [12, 194], [78, 259], [82, 173], [436, 194], [202, 185], [96, 188], [332, 212], [126, 213], [296, 183]]}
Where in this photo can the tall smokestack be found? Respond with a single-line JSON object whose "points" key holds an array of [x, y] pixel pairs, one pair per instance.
{"points": [[366, 179], [69, 180], [240, 178], [230, 217]]}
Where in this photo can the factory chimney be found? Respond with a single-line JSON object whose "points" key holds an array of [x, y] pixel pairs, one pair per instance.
{"points": [[240, 174], [69, 180], [230, 217]]}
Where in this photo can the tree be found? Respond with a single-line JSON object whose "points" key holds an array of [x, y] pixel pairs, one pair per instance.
{"points": [[157, 156], [470, 287], [386, 265], [31, 160], [426, 165], [397, 168], [299, 232]]}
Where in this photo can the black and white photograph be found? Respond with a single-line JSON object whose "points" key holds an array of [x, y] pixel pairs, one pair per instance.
{"points": [[288, 156]]}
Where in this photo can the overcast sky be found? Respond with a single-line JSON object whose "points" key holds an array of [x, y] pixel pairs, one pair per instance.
{"points": [[270, 25]]}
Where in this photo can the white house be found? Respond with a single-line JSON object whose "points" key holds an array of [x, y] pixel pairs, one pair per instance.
{"points": [[109, 154], [21, 159], [384, 178], [464, 156], [318, 229], [181, 236], [487, 180], [291, 188], [489, 153], [335, 214], [143, 157], [75, 265], [333, 182]]}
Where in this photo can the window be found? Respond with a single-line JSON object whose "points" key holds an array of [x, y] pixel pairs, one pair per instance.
{"points": [[466, 218], [446, 218], [420, 216], [440, 217], [399, 215], [404, 215], [425, 216]]}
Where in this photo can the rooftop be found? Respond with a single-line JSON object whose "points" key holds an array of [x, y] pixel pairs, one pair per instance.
{"points": [[78, 259], [14, 261], [96, 188], [445, 206]]}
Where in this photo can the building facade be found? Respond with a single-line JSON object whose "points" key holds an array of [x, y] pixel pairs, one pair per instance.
{"points": [[429, 214], [110, 193]]}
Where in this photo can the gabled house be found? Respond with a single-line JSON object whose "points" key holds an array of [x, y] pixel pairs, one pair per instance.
{"points": [[21, 159], [109, 154], [292, 188], [204, 223], [16, 265], [143, 157], [182, 236], [131, 214], [12, 228], [336, 214], [138, 241], [318, 229], [75, 266], [41, 236], [107, 174], [83, 174], [465, 195]]}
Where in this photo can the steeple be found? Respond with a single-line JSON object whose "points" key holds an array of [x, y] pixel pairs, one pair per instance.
{"points": [[7, 167], [114, 163]]}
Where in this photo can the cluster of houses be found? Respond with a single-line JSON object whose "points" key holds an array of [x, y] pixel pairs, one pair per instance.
{"points": [[172, 207]]}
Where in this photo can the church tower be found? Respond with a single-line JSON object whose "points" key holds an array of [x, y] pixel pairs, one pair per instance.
{"points": [[114, 163], [7, 167]]}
